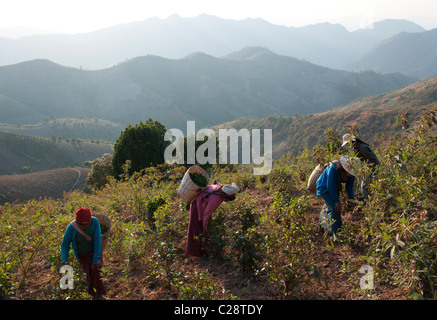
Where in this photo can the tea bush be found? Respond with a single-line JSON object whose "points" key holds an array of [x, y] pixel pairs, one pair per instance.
{"points": [[246, 239], [200, 288], [398, 228], [288, 247], [266, 235]]}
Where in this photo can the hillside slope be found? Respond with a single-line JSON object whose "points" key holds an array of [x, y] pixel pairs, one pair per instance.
{"points": [[374, 115], [23, 154], [44, 184], [254, 81], [71, 128], [414, 54], [265, 245]]}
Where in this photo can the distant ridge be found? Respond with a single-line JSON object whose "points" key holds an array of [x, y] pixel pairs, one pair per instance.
{"points": [[329, 45], [249, 53], [413, 54], [374, 115], [253, 81]]}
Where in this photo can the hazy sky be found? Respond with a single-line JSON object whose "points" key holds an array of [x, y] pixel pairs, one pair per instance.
{"points": [[77, 16]]}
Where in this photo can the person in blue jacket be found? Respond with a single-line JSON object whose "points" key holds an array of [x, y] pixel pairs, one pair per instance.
{"points": [[329, 186], [83, 235]]}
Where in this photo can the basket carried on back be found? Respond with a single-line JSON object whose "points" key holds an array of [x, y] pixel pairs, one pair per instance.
{"points": [[312, 180], [105, 226], [188, 190], [317, 172]]}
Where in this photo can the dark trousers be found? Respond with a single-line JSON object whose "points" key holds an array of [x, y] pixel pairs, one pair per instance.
{"points": [[93, 274], [195, 235]]}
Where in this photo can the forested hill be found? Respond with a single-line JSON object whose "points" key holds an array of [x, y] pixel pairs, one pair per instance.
{"points": [[372, 116], [413, 54], [253, 81], [24, 154]]}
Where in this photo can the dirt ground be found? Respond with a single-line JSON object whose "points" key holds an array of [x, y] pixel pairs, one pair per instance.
{"points": [[335, 276]]}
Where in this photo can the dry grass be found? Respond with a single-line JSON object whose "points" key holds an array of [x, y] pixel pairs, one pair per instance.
{"points": [[45, 184]]}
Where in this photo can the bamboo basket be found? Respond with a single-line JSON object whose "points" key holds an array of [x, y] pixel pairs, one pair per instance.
{"points": [[188, 190], [104, 221]]}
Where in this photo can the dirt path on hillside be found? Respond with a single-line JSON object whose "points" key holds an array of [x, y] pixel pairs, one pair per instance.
{"points": [[81, 178], [77, 180]]}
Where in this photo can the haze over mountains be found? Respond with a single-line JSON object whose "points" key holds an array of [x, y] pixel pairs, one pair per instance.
{"points": [[372, 116], [253, 81], [324, 44], [206, 69], [413, 54]]}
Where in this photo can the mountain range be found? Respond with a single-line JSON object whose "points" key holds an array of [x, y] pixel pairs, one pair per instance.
{"points": [[375, 117], [413, 54], [325, 44], [253, 81]]}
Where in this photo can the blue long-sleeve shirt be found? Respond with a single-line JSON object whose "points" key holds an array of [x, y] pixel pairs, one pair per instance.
{"points": [[328, 181], [70, 238]]}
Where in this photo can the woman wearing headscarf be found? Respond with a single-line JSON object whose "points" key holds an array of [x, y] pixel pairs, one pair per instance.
{"points": [[201, 210], [84, 236]]}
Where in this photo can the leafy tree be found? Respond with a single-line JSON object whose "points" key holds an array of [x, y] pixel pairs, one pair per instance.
{"points": [[101, 168], [142, 144]]}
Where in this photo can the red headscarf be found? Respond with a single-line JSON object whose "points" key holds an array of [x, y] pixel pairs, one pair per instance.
{"points": [[83, 215]]}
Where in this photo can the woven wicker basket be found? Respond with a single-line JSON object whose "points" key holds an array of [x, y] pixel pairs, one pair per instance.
{"points": [[188, 190], [104, 221]]}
